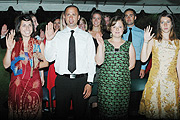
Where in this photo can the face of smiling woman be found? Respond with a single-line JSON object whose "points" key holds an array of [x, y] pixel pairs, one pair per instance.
{"points": [[56, 24], [26, 28], [117, 29], [96, 20]]}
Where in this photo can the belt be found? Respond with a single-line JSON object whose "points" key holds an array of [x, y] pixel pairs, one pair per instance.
{"points": [[73, 76]]}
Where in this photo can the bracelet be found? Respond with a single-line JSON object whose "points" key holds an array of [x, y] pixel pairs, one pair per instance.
{"points": [[146, 42]]}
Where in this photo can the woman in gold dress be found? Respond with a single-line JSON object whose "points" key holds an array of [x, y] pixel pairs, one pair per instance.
{"points": [[160, 99]]}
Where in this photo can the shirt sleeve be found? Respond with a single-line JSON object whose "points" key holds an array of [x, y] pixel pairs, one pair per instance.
{"points": [[144, 66], [3, 36], [3, 43], [91, 59], [50, 49]]}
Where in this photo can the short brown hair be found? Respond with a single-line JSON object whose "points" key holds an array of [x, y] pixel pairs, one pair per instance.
{"points": [[114, 20]]}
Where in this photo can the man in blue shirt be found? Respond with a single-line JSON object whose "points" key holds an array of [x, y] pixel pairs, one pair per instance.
{"points": [[137, 40]]}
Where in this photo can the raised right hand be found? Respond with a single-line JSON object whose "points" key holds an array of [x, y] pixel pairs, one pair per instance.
{"points": [[99, 39], [10, 42], [50, 31], [147, 34]]}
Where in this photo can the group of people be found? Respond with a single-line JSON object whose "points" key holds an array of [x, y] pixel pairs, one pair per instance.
{"points": [[82, 55]]}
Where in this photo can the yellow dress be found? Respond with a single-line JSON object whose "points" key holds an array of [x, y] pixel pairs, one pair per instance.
{"points": [[160, 97]]}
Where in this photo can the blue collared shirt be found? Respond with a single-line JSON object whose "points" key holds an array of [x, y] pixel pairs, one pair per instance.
{"points": [[137, 41]]}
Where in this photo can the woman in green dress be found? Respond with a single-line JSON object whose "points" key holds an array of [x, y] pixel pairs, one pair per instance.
{"points": [[117, 58]]}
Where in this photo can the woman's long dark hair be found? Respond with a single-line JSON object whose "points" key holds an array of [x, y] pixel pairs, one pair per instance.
{"points": [[18, 20], [102, 24], [172, 34]]}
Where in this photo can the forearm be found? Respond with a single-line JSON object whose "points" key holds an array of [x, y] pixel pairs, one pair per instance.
{"points": [[132, 63], [7, 59], [131, 66], [99, 58], [144, 54], [178, 67], [43, 64], [132, 57], [178, 73]]}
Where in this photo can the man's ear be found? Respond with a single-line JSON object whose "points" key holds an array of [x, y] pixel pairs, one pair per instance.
{"points": [[135, 17], [79, 17]]}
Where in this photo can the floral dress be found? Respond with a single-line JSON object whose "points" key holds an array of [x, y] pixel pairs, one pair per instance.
{"points": [[160, 97], [25, 89]]}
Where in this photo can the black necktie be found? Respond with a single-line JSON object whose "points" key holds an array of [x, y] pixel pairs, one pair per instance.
{"points": [[130, 35], [72, 54]]}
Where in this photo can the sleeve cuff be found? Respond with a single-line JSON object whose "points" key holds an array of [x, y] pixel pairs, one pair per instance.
{"points": [[144, 66], [90, 78], [2, 36]]}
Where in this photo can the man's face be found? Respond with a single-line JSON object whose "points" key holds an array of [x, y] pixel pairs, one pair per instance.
{"points": [[129, 18], [72, 17]]}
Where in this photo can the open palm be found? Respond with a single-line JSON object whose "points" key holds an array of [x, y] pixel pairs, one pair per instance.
{"points": [[147, 34], [10, 42], [99, 39], [50, 31]]}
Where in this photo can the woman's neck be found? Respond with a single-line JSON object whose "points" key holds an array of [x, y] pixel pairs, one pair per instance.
{"points": [[114, 39], [26, 38], [96, 29], [116, 42], [25, 41], [165, 36]]}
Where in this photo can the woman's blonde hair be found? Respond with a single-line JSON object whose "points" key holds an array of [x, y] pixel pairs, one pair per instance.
{"points": [[85, 22], [61, 21]]}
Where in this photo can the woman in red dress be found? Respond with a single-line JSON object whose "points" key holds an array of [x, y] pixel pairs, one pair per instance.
{"points": [[25, 55]]}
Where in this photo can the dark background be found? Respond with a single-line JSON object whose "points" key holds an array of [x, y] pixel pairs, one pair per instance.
{"points": [[143, 19]]}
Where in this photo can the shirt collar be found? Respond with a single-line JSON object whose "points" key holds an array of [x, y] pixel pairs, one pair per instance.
{"points": [[133, 27], [69, 29]]}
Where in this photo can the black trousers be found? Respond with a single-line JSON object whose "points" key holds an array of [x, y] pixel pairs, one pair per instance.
{"points": [[70, 89], [135, 97], [134, 73]]}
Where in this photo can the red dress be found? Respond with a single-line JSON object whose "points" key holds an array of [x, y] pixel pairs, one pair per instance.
{"points": [[50, 78], [25, 89]]}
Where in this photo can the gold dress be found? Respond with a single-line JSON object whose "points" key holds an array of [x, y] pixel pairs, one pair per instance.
{"points": [[160, 97]]}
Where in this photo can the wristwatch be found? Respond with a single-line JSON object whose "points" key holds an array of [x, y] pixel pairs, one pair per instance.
{"points": [[90, 83]]}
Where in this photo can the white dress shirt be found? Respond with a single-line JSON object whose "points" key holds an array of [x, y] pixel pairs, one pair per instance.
{"points": [[58, 49]]}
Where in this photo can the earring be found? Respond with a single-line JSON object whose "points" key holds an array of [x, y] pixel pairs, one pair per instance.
{"points": [[110, 34]]}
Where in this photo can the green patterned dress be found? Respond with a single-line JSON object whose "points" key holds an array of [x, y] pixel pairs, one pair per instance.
{"points": [[114, 82]]}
